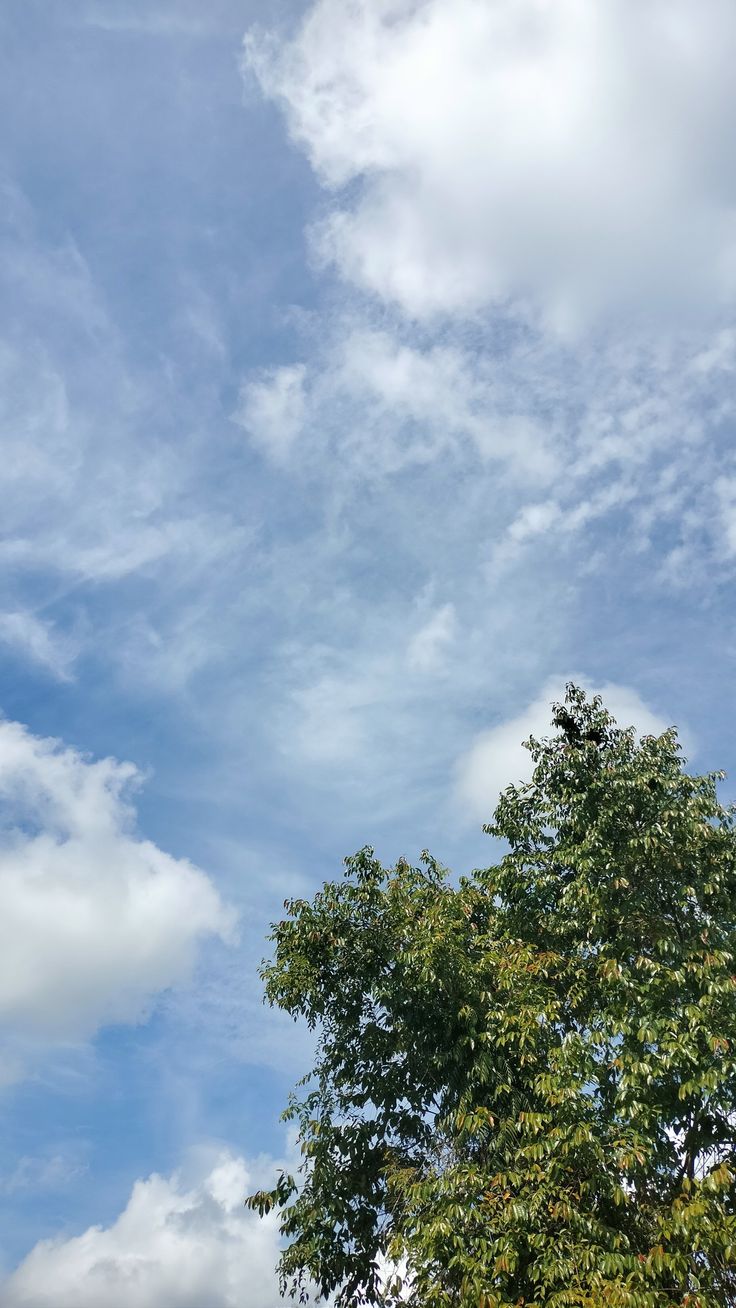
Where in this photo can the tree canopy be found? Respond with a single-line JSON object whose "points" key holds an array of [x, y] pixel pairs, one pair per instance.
{"points": [[525, 1087]]}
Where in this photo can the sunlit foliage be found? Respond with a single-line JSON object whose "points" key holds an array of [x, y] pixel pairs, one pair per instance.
{"points": [[525, 1084]]}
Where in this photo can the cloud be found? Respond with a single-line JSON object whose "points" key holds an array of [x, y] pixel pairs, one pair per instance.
{"points": [[725, 489], [352, 714], [573, 157], [88, 499], [625, 429], [494, 169], [156, 22], [333, 717], [98, 462], [272, 409], [118, 525], [94, 919], [497, 757], [533, 520], [428, 645], [443, 395], [389, 404], [177, 1244], [39, 641], [37, 1174], [504, 474]]}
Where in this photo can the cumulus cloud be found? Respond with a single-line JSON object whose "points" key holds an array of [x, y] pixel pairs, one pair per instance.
{"points": [[177, 1244], [497, 757], [94, 919], [572, 156]]}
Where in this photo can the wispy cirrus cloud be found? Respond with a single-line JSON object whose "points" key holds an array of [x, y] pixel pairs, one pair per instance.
{"points": [[101, 462], [49, 1172], [28, 635]]}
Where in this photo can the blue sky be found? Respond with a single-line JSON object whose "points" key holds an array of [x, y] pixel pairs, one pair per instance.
{"points": [[366, 371]]}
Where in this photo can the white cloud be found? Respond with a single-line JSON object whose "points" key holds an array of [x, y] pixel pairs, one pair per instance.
{"points": [[429, 644], [497, 757], [533, 520], [574, 156], [155, 22], [725, 489], [98, 468], [720, 355], [177, 1244], [52, 1172], [445, 395], [389, 404], [94, 919], [23, 631], [332, 718], [350, 707], [272, 409]]}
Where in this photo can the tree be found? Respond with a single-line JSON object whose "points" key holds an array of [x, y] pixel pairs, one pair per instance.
{"points": [[525, 1084]]}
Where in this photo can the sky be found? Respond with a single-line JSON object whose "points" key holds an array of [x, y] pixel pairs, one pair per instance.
{"points": [[366, 373]]}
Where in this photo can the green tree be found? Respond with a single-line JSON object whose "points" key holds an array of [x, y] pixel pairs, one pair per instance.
{"points": [[525, 1089]]}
